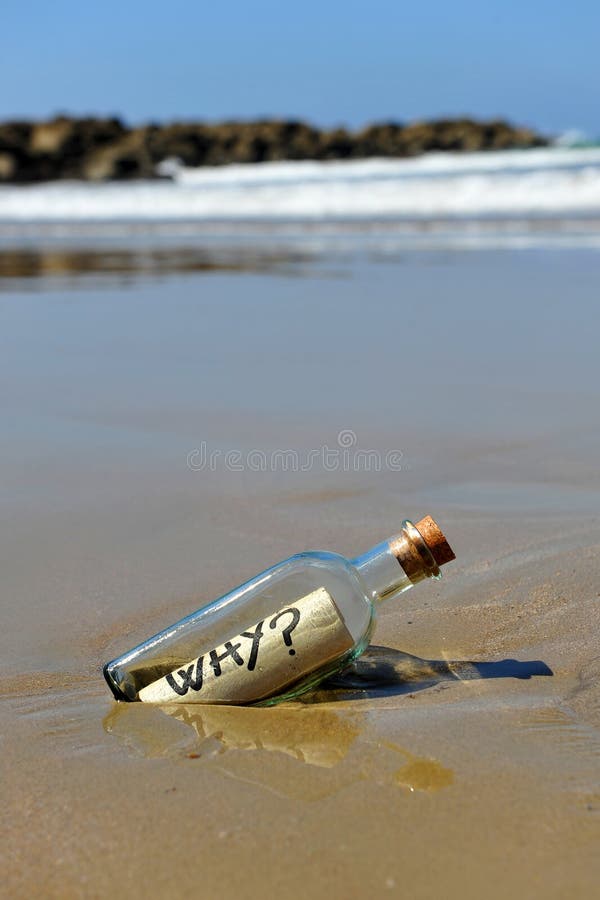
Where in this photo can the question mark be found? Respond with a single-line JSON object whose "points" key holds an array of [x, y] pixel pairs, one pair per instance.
{"points": [[287, 632]]}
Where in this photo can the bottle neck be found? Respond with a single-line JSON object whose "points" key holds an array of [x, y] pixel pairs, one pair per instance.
{"points": [[396, 564]]}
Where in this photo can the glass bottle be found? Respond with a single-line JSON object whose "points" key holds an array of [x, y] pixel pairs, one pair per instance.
{"points": [[283, 631]]}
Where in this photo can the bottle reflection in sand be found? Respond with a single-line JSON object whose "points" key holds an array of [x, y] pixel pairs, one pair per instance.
{"points": [[303, 753], [317, 737], [320, 739]]}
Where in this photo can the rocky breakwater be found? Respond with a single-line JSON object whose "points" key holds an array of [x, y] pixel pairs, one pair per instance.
{"points": [[106, 149]]}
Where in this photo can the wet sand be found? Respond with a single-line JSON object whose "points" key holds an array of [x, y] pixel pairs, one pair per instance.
{"points": [[461, 756]]}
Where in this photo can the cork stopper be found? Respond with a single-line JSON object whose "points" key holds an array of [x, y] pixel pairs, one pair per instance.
{"points": [[436, 541]]}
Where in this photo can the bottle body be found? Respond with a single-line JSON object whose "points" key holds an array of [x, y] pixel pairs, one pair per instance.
{"points": [[330, 614], [278, 634]]}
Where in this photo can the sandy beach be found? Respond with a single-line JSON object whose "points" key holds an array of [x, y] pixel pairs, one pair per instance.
{"points": [[461, 756]]}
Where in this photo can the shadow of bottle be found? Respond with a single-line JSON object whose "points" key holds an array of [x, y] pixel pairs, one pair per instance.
{"points": [[385, 672]]}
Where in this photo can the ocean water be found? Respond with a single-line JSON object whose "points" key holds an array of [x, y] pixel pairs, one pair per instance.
{"points": [[481, 299], [533, 197]]}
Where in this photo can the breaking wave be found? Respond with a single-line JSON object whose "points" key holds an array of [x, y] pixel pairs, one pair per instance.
{"points": [[524, 186]]}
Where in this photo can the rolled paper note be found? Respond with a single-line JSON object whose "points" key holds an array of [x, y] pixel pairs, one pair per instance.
{"points": [[263, 660]]}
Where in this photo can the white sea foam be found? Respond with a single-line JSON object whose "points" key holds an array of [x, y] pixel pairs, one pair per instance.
{"points": [[554, 182]]}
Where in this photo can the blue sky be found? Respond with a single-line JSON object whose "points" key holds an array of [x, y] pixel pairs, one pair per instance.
{"points": [[337, 62]]}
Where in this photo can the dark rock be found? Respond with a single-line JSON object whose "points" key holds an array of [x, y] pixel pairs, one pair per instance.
{"points": [[14, 136], [58, 148], [338, 144], [126, 158], [8, 166], [105, 149], [383, 139]]}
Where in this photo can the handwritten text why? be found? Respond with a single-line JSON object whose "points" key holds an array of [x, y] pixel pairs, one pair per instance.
{"points": [[192, 677]]}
